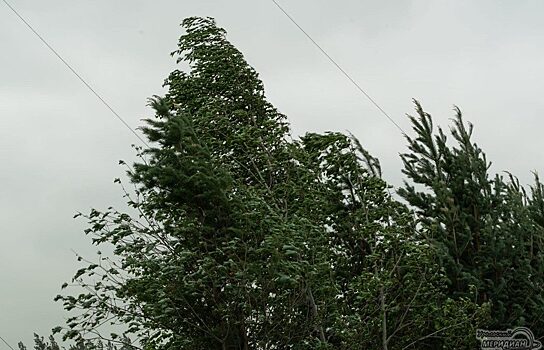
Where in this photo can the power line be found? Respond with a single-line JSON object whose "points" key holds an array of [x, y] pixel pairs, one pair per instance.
{"points": [[5, 342], [74, 71], [339, 67]]}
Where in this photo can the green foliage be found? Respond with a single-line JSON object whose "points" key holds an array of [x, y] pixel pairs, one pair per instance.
{"points": [[488, 228], [391, 293], [41, 344], [243, 238]]}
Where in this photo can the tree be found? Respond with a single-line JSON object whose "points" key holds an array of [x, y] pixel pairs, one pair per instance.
{"points": [[487, 228], [246, 239], [391, 292]]}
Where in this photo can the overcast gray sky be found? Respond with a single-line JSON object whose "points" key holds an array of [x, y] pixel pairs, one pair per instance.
{"points": [[59, 147]]}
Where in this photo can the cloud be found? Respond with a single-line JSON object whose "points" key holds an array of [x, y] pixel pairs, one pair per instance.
{"points": [[59, 146]]}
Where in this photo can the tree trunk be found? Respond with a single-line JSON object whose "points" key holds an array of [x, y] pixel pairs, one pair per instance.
{"points": [[313, 309], [384, 318]]}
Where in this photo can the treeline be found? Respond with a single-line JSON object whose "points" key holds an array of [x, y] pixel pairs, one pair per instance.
{"points": [[246, 238]]}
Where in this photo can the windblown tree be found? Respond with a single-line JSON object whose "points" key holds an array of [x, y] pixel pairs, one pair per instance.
{"points": [[391, 293], [489, 230], [247, 239]]}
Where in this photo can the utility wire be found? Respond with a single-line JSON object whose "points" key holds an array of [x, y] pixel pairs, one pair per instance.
{"points": [[5, 342], [74, 71], [339, 68], [80, 78], [108, 106]]}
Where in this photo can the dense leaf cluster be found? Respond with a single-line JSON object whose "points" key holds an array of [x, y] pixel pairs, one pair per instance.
{"points": [[40, 343]]}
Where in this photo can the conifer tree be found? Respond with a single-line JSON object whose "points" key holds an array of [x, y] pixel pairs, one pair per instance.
{"points": [[486, 227]]}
